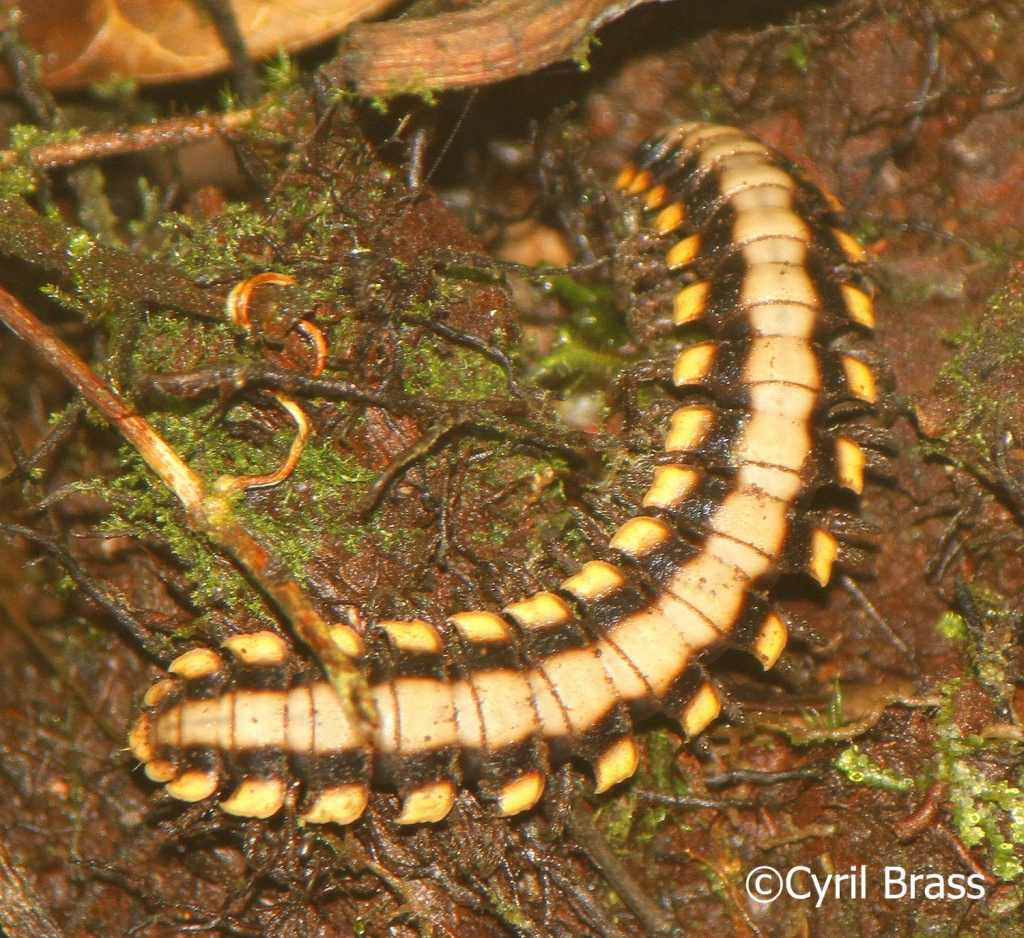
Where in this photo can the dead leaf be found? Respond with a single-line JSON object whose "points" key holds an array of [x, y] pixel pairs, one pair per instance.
{"points": [[85, 41]]}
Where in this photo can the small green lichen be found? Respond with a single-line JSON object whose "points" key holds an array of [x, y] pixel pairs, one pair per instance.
{"points": [[441, 370], [858, 767], [631, 820], [583, 50], [796, 54], [951, 625]]}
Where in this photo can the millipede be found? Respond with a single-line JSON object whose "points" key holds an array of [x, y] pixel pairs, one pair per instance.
{"points": [[772, 392]]}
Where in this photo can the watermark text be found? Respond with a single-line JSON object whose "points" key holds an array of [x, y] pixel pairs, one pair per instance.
{"points": [[766, 884]]}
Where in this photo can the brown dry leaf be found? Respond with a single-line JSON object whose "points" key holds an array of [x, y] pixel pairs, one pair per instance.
{"points": [[86, 41]]}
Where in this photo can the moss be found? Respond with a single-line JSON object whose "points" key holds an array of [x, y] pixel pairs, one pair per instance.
{"points": [[588, 348], [20, 177], [441, 370], [149, 511], [417, 86], [952, 626], [510, 914], [992, 631], [795, 53], [94, 295], [630, 821], [583, 50], [982, 381], [280, 73], [986, 810]]}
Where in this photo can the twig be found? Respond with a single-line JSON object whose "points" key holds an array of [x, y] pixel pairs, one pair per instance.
{"points": [[85, 583], [654, 919], [86, 696], [45, 244], [209, 512], [56, 438], [229, 32], [496, 40], [21, 913], [24, 68], [165, 133]]}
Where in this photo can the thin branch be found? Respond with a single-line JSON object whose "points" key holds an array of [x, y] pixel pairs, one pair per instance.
{"points": [[56, 438], [243, 71], [82, 579], [654, 919], [166, 133], [46, 244]]}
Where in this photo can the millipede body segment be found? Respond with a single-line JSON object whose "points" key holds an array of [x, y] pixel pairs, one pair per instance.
{"points": [[770, 390]]}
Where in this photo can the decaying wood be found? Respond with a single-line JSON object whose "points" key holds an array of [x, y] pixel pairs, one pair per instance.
{"points": [[497, 40]]}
